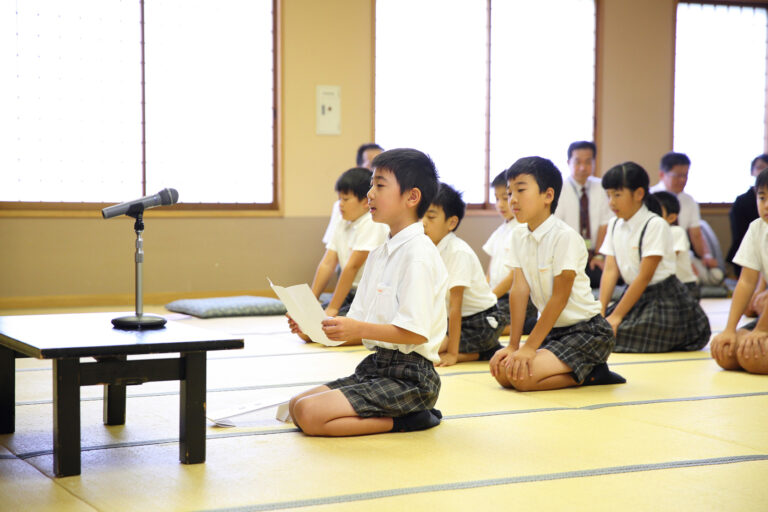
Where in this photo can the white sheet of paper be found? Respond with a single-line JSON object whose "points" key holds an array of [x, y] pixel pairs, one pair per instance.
{"points": [[283, 414], [305, 310], [224, 417]]}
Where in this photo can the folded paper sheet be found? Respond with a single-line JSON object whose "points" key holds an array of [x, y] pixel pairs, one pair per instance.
{"points": [[225, 417], [305, 310]]}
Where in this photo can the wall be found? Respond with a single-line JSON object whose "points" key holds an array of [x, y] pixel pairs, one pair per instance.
{"points": [[63, 260]]}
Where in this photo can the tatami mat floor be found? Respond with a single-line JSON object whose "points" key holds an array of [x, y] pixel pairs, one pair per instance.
{"points": [[680, 435]]}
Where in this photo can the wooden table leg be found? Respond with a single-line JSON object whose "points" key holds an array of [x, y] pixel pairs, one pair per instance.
{"points": [[114, 401], [7, 391], [66, 417], [192, 420]]}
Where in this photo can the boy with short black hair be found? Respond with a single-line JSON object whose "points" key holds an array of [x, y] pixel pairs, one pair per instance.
{"points": [[670, 209], [474, 319], [355, 236], [747, 348], [498, 246], [571, 341], [399, 311]]}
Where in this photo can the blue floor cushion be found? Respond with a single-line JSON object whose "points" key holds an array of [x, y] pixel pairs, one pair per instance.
{"points": [[244, 305]]}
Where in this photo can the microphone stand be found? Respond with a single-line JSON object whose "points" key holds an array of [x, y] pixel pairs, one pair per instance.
{"points": [[139, 321]]}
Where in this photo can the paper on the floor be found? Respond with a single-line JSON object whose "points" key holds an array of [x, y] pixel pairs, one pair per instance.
{"points": [[224, 417], [305, 310], [283, 414]]}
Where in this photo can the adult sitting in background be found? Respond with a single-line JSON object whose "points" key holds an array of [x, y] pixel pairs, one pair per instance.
{"points": [[584, 206], [365, 155], [744, 211], [674, 176]]}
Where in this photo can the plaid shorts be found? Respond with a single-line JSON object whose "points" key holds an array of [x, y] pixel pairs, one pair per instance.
{"points": [[390, 383], [477, 333], [531, 313], [344, 308], [581, 346], [665, 318]]}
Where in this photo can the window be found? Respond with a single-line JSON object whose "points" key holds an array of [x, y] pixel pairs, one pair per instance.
{"points": [[720, 89], [433, 68], [75, 72]]}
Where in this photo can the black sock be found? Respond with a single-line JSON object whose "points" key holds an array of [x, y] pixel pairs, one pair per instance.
{"points": [[600, 375], [419, 420]]}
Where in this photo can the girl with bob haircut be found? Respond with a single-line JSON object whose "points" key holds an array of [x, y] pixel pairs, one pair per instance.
{"points": [[655, 313]]}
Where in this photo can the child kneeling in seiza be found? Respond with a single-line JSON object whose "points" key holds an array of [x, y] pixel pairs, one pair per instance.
{"points": [[398, 311], [571, 342]]}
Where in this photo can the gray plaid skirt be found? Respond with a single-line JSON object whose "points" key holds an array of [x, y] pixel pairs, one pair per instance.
{"points": [[581, 346], [390, 383], [477, 333], [531, 313], [665, 318]]}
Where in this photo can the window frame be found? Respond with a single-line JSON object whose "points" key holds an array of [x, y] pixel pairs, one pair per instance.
{"points": [[487, 207], [721, 207], [275, 208]]}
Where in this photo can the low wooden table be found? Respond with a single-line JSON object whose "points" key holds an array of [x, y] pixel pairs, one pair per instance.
{"points": [[67, 338]]}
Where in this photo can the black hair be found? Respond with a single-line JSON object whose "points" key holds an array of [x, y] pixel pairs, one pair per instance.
{"points": [[412, 169], [763, 157], [582, 144], [546, 174], [631, 176], [362, 149], [449, 199], [356, 180], [500, 180], [668, 201], [762, 180], [672, 159]]}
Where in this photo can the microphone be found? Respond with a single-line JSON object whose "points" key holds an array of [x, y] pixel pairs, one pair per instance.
{"points": [[165, 197]]}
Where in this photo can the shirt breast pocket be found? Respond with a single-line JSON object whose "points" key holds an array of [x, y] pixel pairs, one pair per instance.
{"points": [[385, 303], [545, 280]]}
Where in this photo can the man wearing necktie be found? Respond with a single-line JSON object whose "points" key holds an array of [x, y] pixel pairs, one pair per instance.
{"points": [[584, 206]]}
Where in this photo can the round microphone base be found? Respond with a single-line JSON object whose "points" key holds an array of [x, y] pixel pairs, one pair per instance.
{"points": [[139, 323]]}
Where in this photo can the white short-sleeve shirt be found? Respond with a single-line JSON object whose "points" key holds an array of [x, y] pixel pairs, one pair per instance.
{"points": [[622, 242], [404, 284], [497, 247], [682, 247], [690, 214], [543, 255], [464, 269], [336, 218], [361, 234], [753, 251], [568, 206]]}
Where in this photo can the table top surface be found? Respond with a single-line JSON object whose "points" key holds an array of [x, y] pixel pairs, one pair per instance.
{"points": [[92, 334]]}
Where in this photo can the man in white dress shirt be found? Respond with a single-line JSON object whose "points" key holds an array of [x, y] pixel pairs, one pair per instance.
{"points": [[673, 174], [583, 205]]}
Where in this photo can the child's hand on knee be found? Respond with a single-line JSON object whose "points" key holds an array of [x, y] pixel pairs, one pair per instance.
{"points": [[754, 344], [520, 365], [723, 344], [448, 359], [496, 362], [614, 320], [341, 328]]}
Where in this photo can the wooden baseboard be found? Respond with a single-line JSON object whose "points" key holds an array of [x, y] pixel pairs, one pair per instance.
{"points": [[117, 299]]}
